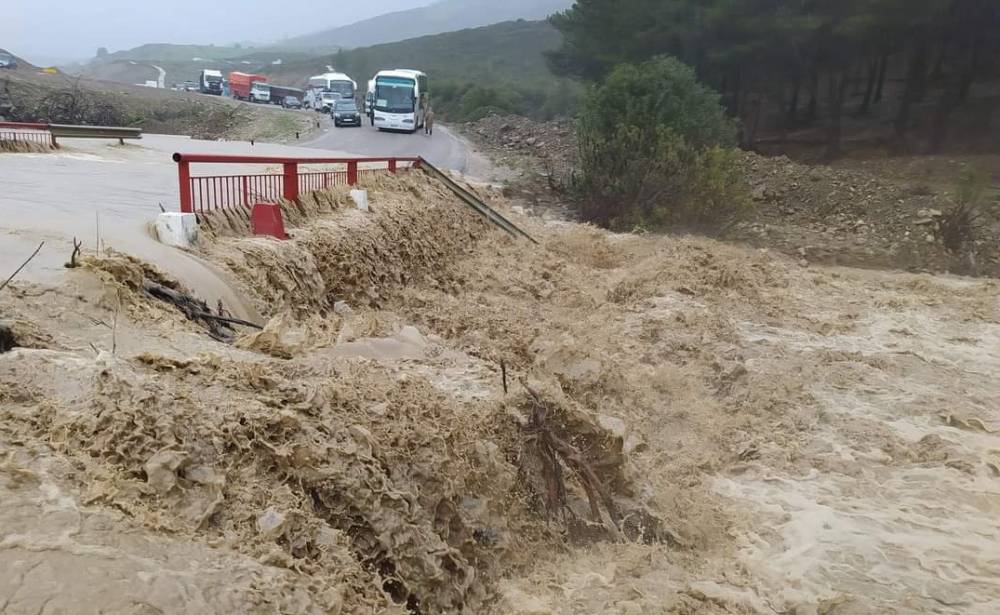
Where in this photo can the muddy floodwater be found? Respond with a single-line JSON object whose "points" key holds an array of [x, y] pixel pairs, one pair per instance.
{"points": [[437, 418]]}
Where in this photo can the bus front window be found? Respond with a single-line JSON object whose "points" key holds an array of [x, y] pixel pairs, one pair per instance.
{"points": [[394, 96], [344, 88]]}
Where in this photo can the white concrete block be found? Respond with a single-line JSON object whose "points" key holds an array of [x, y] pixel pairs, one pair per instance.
{"points": [[177, 229], [360, 199]]}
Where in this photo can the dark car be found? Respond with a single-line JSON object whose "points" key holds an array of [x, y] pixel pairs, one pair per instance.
{"points": [[345, 113], [291, 102]]}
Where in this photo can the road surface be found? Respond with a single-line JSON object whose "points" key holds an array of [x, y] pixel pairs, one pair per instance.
{"points": [[161, 79], [96, 188], [444, 149]]}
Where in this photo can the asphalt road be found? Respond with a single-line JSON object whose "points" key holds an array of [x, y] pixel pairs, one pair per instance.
{"points": [[444, 149], [93, 188]]}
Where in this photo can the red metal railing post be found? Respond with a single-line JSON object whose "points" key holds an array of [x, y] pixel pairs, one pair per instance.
{"points": [[392, 165], [290, 189], [184, 179], [352, 173]]}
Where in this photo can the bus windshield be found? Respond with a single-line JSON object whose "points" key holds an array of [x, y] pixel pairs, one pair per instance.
{"points": [[394, 95], [344, 88]]}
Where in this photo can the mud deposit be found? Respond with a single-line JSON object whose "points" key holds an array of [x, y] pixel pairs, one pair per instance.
{"points": [[687, 427]]}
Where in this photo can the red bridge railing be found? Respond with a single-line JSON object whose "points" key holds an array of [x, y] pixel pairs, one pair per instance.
{"points": [[24, 132], [202, 193]]}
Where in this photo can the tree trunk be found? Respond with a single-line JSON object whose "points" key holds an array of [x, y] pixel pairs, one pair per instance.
{"points": [[858, 78], [920, 73], [870, 89], [916, 83], [969, 74], [937, 72], [754, 123], [793, 107], [813, 96], [883, 69], [835, 131], [737, 92], [954, 94]]}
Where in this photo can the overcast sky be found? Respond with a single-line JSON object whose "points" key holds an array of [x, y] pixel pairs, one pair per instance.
{"points": [[45, 31]]}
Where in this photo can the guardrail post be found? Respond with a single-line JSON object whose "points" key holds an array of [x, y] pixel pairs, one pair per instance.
{"points": [[352, 173], [246, 191], [290, 189], [392, 165], [184, 179]]}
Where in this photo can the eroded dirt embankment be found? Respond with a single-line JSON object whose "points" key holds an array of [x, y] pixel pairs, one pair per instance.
{"points": [[684, 427]]}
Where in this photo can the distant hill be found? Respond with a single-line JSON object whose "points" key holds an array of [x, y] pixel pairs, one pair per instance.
{"points": [[499, 66], [21, 63], [181, 62], [505, 51], [442, 16], [166, 52]]}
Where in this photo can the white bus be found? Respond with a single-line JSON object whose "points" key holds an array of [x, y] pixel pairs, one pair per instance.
{"points": [[336, 83], [401, 97]]}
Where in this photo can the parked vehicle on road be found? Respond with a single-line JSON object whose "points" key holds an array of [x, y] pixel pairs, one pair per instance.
{"points": [[240, 84], [327, 100], [280, 93], [401, 97], [291, 102], [260, 93], [189, 86], [346, 113], [210, 82], [328, 83]]}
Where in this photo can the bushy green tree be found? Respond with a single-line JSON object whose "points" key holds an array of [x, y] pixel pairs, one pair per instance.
{"points": [[653, 151]]}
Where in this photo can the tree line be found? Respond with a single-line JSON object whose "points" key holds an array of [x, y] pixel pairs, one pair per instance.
{"points": [[791, 63]]}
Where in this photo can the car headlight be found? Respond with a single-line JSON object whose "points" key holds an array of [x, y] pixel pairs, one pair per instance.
{"points": [[407, 121]]}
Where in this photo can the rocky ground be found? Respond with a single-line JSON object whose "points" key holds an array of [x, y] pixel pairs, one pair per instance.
{"points": [[438, 418]]}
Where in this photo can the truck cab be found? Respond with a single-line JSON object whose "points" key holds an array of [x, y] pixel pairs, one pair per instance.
{"points": [[260, 93]]}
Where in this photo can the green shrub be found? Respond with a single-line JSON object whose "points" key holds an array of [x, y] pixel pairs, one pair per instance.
{"points": [[655, 152]]}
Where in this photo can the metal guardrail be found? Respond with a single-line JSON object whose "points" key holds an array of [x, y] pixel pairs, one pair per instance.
{"points": [[492, 215], [19, 132], [15, 131], [70, 131], [200, 194]]}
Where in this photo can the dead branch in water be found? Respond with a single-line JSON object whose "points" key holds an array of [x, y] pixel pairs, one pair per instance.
{"points": [[77, 246], [552, 449], [23, 265], [219, 327]]}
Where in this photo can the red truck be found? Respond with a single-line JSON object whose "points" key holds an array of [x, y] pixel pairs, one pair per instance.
{"points": [[241, 83]]}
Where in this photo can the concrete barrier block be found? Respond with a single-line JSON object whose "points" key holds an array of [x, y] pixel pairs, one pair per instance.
{"points": [[177, 229], [265, 219], [360, 199]]}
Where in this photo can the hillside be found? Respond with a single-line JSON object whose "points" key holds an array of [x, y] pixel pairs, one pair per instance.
{"points": [[499, 67], [22, 64], [181, 62], [442, 16], [163, 52]]}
